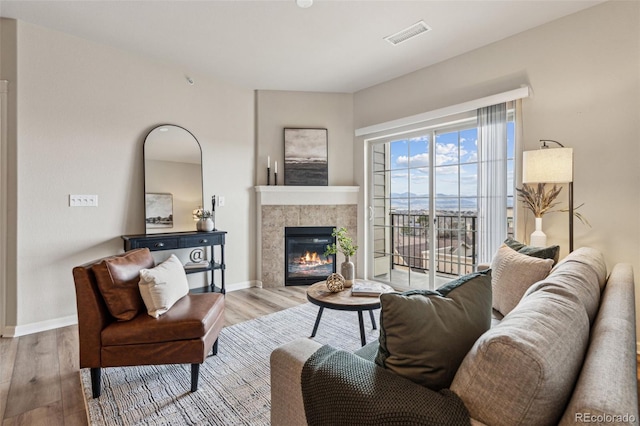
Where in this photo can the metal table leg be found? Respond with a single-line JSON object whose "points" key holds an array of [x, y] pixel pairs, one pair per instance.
{"points": [[363, 340], [315, 326], [373, 321]]}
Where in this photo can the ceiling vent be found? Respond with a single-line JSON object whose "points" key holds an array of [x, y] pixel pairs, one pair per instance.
{"points": [[408, 33]]}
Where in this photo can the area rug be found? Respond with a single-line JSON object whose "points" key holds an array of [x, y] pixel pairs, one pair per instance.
{"points": [[234, 386]]}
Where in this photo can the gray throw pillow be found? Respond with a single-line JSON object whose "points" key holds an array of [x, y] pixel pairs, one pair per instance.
{"points": [[425, 335], [512, 273], [551, 252]]}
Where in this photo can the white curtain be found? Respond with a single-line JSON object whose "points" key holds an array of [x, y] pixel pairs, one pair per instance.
{"points": [[492, 180]]}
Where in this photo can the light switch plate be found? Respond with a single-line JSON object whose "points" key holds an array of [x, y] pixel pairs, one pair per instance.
{"points": [[83, 201]]}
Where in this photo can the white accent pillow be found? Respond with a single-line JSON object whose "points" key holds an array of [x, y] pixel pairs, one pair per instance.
{"points": [[161, 287], [512, 274]]}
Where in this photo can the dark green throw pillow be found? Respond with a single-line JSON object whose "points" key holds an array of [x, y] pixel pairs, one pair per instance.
{"points": [[425, 335], [551, 252]]}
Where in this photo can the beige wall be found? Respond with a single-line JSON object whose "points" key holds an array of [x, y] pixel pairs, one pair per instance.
{"points": [[8, 72], [276, 110], [83, 110], [79, 112], [584, 70]]}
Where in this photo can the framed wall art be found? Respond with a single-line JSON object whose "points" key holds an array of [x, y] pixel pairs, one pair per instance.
{"points": [[158, 210], [306, 157]]}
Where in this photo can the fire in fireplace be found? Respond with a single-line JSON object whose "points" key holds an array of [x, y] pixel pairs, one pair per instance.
{"points": [[305, 262]]}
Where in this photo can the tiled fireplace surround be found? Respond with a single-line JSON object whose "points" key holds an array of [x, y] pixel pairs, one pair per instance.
{"points": [[286, 206]]}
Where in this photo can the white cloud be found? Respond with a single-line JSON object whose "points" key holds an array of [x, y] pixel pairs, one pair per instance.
{"points": [[448, 153], [472, 158], [399, 175], [446, 149], [402, 160], [418, 160], [419, 178], [445, 154], [449, 170]]}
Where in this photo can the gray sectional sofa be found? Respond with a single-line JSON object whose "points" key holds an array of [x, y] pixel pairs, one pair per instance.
{"points": [[566, 354]]}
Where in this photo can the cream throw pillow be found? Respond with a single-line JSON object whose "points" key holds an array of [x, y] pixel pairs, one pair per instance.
{"points": [[512, 274], [161, 287]]}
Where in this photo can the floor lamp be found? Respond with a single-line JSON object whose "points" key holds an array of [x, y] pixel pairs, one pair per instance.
{"points": [[551, 165]]}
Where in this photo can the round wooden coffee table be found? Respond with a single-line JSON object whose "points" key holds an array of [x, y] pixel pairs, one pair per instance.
{"points": [[319, 295]]}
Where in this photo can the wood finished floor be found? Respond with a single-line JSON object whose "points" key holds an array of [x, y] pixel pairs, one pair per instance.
{"points": [[39, 373], [39, 380]]}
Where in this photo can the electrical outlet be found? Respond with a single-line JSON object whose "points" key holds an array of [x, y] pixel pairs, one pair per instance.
{"points": [[83, 201], [221, 201]]}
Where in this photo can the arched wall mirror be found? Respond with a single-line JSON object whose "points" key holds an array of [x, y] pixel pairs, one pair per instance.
{"points": [[172, 179]]}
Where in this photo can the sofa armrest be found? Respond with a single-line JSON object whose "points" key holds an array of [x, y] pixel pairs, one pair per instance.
{"points": [[93, 316], [607, 384], [287, 407]]}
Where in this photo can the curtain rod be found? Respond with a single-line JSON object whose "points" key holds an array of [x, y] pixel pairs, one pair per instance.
{"points": [[511, 95]]}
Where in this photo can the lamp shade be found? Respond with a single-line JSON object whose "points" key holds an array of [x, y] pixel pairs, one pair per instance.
{"points": [[548, 165]]}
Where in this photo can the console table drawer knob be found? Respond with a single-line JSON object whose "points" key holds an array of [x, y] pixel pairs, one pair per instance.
{"points": [[204, 241], [159, 245]]}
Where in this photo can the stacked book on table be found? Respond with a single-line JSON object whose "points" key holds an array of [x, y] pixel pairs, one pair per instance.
{"points": [[367, 288], [196, 265]]}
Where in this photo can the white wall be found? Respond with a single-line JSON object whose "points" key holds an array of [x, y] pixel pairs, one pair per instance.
{"points": [[584, 70], [83, 110], [276, 110]]}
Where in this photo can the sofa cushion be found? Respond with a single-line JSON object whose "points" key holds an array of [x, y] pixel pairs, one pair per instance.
{"points": [[581, 276], [163, 286], [117, 279], [512, 274], [523, 370], [424, 335], [550, 252]]}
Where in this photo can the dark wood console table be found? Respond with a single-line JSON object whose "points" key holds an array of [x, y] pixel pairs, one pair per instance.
{"points": [[180, 240]]}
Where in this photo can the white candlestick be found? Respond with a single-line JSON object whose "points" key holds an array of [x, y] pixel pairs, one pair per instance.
{"points": [[268, 162], [276, 167]]}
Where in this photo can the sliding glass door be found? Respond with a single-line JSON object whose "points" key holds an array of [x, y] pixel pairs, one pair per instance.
{"points": [[424, 204]]}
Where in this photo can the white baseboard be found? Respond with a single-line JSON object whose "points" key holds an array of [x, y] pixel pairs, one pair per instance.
{"points": [[37, 327], [243, 285]]}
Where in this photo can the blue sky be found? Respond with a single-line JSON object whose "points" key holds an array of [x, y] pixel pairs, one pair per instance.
{"points": [[409, 165]]}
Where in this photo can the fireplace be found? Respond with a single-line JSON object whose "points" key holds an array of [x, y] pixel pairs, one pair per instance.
{"points": [[305, 262]]}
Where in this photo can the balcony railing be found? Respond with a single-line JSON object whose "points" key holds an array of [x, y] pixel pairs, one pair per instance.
{"points": [[455, 244]]}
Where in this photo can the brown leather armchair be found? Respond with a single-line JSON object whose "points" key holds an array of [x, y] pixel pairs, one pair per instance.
{"points": [[185, 334]]}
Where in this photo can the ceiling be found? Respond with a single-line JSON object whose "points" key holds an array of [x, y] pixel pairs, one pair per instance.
{"points": [[333, 46]]}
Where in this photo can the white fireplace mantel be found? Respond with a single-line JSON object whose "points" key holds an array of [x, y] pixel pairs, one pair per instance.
{"points": [[307, 195]]}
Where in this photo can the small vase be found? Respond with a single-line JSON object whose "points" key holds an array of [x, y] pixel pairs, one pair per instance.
{"points": [[204, 224], [347, 270], [538, 238]]}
